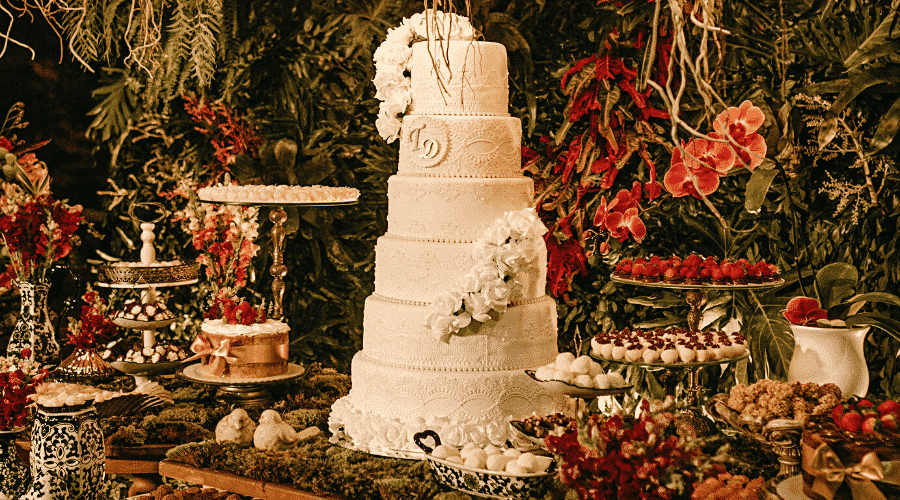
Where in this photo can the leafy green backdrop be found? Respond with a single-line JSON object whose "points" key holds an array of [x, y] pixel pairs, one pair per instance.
{"points": [[825, 73]]}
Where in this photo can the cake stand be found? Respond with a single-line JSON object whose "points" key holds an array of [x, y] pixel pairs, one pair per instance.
{"points": [[278, 216], [244, 393], [696, 298], [147, 275]]}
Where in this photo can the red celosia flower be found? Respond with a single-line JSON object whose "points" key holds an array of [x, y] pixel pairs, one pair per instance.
{"points": [[804, 311], [739, 125]]}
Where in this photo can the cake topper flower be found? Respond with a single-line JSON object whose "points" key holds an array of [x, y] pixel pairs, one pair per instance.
{"points": [[233, 311], [393, 60], [18, 380], [507, 248]]}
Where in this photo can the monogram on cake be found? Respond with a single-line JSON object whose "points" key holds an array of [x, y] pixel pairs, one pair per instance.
{"points": [[459, 309]]}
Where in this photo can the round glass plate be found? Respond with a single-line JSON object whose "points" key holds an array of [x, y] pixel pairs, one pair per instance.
{"points": [[130, 368], [686, 286], [644, 364], [143, 325], [194, 374], [283, 203], [577, 391]]}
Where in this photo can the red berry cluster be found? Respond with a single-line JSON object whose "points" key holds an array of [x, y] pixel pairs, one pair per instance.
{"points": [[863, 416], [696, 270]]}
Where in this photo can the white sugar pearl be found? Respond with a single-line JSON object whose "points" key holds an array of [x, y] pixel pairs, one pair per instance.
{"points": [[545, 372], [455, 459], [581, 365], [584, 381], [526, 461], [564, 361], [497, 463], [470, 446], [595, 369], [491, 450], [563, 376], [475, 461], [444, 451], [514, 468], [601, 381], [512, 452]]}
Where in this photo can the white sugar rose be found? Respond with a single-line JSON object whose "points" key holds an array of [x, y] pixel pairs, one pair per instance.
{"points": [[461, 320], [496, 234], [531, 249], [509, 259], [524, 224], [478, 306], [388, 127], [447, 303]]}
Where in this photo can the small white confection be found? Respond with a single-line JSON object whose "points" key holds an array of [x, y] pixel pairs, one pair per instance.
{"points": [[686, 354], [703, 355], [491, 450], [616, 380], [596, 347], [497, 463], [669, 356], [596, 369], [564, 361], [721, 352], [236, 427], [618, 352], [475, 461], [148, 351], [469, 446], [545, 372], [456, 459], [634, 354], [601, 381], [273, 433], [650, 355], [513, 468], [584, 381], [581, 365], [512, 452], [526, 461], [541, 463], [563, 376], [444, 451]]}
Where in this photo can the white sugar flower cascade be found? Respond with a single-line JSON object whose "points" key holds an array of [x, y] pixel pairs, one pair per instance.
{"points": [[505, 250], [393, 60]]}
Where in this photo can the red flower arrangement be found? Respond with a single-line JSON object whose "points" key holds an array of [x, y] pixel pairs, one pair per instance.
{"points": [[623, 457], [94, 324], [230, 133], [36, 229], [18, 381], [227, 308]]}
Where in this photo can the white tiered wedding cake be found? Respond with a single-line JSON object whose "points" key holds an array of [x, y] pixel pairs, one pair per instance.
{"points": [[459, 190]]}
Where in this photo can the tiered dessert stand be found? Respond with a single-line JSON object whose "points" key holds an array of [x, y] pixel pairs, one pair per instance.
{"points": [[258, 392], [696, 298], [147, 275]]}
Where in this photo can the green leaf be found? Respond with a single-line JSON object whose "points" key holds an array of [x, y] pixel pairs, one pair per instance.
{"points": [[835, 283], [859, 83], [757, 187], [887, 129], [878, 43], [888, 325]]}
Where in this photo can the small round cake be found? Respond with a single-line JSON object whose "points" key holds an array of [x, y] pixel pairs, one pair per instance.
{"points": [[238, 351]]}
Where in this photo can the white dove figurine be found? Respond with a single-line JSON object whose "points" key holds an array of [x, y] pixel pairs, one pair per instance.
{"points": [[273, 434], [236, 427]]}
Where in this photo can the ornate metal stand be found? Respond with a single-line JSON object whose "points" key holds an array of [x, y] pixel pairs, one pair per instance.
{"points": [[278, 270]]}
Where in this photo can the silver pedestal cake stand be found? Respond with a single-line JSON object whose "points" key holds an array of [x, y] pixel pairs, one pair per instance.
{"points": [[245, 393]]}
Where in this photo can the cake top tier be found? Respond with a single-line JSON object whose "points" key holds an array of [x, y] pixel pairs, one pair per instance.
{"points": [[458, 77]]}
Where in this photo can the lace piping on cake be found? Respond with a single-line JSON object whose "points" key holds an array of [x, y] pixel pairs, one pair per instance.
{"points": [[513, 303], [430, 240], [421, 364]]}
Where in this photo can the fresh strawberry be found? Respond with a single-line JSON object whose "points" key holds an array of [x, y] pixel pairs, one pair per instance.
{"points": [[865, 403], [871, 424], [851, 422], [837, 413], [890, 421], [889, 407]]}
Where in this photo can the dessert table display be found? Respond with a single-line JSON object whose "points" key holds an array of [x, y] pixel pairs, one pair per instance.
{"points": [[147, 275], [694, 275]]}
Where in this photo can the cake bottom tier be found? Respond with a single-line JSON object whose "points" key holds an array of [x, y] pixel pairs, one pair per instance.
{"points": [[388, 405]]}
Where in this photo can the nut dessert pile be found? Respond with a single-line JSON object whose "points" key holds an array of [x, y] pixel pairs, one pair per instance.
{"points": [[769, 399]]}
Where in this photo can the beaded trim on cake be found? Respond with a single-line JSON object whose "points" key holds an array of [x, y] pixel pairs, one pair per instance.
{"points": [[417, 303]]}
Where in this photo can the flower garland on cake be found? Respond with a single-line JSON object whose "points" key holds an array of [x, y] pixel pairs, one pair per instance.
{"points": [[393, 60], [506, 249]]}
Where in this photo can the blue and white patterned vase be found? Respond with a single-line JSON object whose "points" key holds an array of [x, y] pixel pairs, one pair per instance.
{"points": [[33, 329], [14, 474], [67, 456]]}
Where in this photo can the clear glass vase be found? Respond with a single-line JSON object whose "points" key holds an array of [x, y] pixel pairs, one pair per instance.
{"points": [[33, 329]]}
